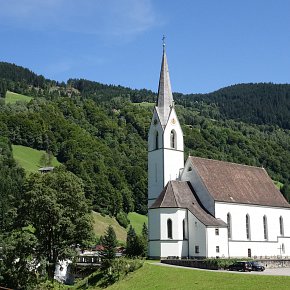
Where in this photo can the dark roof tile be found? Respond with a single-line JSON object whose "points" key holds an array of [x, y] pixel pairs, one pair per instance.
{"points": [[231, 182], [180, 194]]}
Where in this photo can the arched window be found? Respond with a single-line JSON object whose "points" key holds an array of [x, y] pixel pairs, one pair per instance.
{"points": [[172, 139], [229, 222], [265, 224], [281, 226], [183, 229], [169, 229], [248, 227], [156, 141], [283, 249]]}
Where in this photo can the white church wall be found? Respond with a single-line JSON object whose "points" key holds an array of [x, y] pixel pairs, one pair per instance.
{"points": [[217, 242], [154, 245], [154, 249], [177, 216], [155, 160], [155, 127], [173, 248], [197, 237], [164, 164], [173, 162], [257, 245], [173, 157], [154, 224], [165, 249], [173, 125], [160, 245], [189, 174], [260, 249], [155, 175]]}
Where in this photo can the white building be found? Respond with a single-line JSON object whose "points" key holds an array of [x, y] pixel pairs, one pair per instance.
{"points": [[207, 208]]}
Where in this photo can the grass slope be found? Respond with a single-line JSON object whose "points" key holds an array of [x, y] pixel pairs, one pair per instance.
{"points": [[137, 220], [151, 276], [29, 158], [101, 224], [12, 98]]}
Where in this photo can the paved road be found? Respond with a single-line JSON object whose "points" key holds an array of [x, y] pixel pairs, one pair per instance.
{"points": [[272, 272]]}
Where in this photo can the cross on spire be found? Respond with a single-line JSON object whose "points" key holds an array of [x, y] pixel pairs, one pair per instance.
{"points": [[163, 41]]}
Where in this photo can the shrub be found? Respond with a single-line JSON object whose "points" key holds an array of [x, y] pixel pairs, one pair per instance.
{"points": [[120, 267], [219, 263], [122, 219]]}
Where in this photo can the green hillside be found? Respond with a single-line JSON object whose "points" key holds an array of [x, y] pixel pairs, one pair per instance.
{"points": [[99, 132], [12, 98], [29, 158], [255, 103], [101, 223], [137, 220]]}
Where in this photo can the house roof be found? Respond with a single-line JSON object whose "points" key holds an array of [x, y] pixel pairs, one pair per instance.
{"points": [[45, 169], [180, 194], [237, 183]]}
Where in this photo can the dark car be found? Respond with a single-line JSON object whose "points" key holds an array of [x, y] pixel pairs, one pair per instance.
{"points": [[256, 266], [241, 266]]}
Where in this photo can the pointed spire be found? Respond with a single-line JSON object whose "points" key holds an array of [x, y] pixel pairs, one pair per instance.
{"points": [[165, 98]]}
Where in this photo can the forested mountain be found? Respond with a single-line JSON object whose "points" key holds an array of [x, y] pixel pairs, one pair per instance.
{"points": [[263, 103], [99, 132]]}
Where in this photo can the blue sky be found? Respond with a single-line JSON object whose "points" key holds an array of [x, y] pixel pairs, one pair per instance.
{"points": [[210, 44]]}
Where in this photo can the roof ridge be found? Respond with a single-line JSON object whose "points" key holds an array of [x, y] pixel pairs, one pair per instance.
{"points": [[224, 161], [173, 191]]}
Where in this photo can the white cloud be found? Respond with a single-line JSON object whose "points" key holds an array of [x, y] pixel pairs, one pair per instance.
{"points": [[100, 17]]}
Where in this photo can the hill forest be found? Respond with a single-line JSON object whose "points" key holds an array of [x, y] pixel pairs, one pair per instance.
{"points": [[99, 132]]}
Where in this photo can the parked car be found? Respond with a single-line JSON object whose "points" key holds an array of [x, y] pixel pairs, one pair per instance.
{"points": [[256, 266], [241, 266]]}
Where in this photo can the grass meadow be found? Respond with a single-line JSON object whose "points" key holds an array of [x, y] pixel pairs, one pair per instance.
{"points": [[29, 158], [101, 224], [137, 220], [12, 98]]}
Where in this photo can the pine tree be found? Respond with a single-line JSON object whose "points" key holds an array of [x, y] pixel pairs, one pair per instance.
{"points": [[144, 240], [137, 244], [145, 231], [131, 242], [108, 254]]}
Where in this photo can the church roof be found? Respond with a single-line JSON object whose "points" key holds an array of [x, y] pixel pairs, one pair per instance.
{"points": [[180, 194], [237, 183], [165, 98]]}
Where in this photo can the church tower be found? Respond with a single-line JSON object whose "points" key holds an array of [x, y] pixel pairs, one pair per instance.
{"points": [[165, 139]]}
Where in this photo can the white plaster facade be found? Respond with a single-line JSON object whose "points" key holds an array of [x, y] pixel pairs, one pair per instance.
{"points": [[277, 241], [223, 229]]}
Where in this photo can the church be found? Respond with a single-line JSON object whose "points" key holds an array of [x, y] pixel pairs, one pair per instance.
{"points": [[205, 208]]}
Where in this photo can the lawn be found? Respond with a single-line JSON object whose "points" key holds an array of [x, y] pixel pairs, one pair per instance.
{"points": [[29, 158], [12, 98], [151, 276], [137, 220]]}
